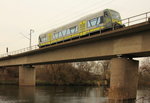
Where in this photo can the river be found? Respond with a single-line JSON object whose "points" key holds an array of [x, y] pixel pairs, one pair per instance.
{"points": [[58, 94]]}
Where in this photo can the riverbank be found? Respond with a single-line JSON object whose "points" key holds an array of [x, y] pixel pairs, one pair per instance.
{"points": [[46, 83], [9, 82]]}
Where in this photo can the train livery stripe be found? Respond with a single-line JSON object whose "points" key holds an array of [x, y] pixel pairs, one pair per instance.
{"points": [[71, 36], [117, 21], [50, 36]]}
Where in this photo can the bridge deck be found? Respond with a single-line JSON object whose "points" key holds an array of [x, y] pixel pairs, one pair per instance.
{"points": [[130, 41]]}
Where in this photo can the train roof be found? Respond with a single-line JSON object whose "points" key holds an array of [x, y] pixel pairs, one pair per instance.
{"points": [[73, 22]]}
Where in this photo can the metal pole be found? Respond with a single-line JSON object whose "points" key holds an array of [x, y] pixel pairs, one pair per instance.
{"points": [[7, 50], [128, 21], [146, 16], [30, 43], [30, 40]]}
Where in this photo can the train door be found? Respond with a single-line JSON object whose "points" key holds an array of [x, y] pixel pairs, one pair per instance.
{"points": [[50, 37], [82, 27]]}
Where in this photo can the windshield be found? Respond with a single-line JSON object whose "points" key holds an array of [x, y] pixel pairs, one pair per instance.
{"points": [[115, 15]]}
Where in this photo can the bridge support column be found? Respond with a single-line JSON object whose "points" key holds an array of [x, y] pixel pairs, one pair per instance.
{"points": [[123, 80], [27, 75]]}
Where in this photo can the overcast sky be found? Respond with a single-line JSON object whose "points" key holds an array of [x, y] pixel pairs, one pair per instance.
{"points": [[17, 17]]}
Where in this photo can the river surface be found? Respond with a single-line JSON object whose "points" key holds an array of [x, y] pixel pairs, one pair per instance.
{"points": [[58, 94]]}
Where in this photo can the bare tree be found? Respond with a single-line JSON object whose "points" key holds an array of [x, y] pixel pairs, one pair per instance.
{"points": [[144, 73], [145, 68]]}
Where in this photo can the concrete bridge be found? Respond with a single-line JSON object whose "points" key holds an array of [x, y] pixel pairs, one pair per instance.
{"points": [[119, 45], [131, 41]]}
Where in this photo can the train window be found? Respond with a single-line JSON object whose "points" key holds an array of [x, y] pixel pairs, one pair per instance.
{"points": [[55, 36], [64, 32], [89, 25], [43, 39], [60, 34], [76, 29], [40, 39], [98, 21], [101, 19], [73, 29], [68, 32], [92, 22], [95, 21], [105, 14]]}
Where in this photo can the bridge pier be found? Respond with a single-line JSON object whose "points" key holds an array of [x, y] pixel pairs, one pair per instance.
{"points": [[123, 80], [27, 75]]}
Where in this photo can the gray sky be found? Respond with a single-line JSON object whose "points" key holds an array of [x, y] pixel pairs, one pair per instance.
{"points": [[17, 17]]}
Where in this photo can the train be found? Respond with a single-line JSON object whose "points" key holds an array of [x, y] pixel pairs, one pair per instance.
{"points": [[101, 21]]}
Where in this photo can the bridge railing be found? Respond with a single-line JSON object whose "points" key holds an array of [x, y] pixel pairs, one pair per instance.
{"points": [[34, 47], [127, 22], [136, 19]]}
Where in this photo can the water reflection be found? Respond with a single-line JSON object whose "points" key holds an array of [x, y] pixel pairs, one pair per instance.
{"points": [[14, 94], [69, 95], [27, 94], [52, 94]]}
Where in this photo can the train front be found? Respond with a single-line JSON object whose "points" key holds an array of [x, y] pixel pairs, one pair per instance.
{"points": [[116, 19]]}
